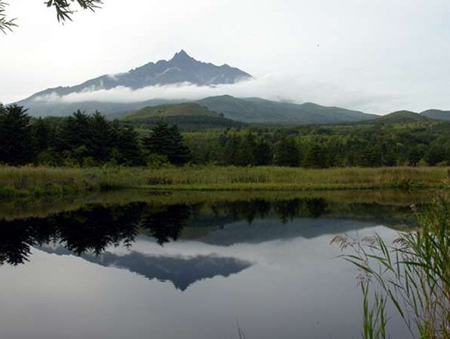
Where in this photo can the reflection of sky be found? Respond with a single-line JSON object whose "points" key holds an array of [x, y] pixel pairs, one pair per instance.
{"points": [[295, 289]]}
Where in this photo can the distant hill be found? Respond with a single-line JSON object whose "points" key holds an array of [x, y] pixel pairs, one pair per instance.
{"points": [[110, 109], [256, 110], [185, 109], [188, 116], [400, 117], [436, 114]]}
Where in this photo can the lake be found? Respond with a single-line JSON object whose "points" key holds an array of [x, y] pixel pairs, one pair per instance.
{"points": [[189, 265]]}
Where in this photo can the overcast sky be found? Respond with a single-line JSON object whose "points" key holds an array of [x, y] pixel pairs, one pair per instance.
{"points": [[373, 55]]}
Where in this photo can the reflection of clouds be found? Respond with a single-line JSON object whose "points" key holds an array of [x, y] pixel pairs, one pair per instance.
{"points": [[226, 251], [295, 288]]}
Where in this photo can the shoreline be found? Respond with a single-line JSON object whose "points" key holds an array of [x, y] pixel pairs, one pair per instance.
{"points": [[50, 181]]}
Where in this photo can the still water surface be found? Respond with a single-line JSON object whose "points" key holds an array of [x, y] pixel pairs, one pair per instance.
{"points": [[187, 270]]}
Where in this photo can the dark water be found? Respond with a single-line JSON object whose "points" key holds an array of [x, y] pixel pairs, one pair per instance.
{"points": [[187, 269]]}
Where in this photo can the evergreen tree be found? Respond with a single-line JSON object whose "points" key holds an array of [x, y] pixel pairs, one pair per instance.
{"points": [[42, 133], [263, 153], [167, 141], [230, 150], [286, 152], [74, 131], [15, 136], [125, 145], [316, 156], [246, 153], [181, 154], [100, 141]]}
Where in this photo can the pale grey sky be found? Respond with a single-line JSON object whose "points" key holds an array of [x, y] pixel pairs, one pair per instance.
{"points": [[373, 55]]}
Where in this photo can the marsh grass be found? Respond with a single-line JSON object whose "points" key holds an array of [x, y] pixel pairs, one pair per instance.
{"points": [[23, 181], [394, 203], [413, 274], [58, 181]]}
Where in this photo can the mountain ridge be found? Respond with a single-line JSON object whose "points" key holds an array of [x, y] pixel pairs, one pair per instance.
{"points": [[182, 68], [257, 110], [436, 114]]}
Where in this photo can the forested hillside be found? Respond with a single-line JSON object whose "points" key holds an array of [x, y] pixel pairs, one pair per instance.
{"points": [[371, 145], [89, 140], [256, 110], [188, 116]]}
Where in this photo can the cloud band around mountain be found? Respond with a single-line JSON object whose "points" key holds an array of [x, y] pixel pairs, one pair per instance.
{"points": [[270, 87]]}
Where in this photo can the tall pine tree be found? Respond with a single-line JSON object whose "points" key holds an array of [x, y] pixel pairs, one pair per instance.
{"points": [[167, 141], [15, 136]]}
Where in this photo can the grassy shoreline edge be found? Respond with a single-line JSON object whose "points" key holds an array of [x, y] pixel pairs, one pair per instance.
{"points": [[36, 181]]}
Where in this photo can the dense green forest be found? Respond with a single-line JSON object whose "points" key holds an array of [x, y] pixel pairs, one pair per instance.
{"points": [[83, 140], [364, 145]]}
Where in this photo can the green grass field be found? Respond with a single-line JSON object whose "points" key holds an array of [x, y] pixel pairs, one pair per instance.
{"points": [[23, 181]]}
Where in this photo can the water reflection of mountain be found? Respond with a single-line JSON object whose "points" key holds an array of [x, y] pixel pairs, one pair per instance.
{"points": [[92, 228], [181, 271], [271, 229]]}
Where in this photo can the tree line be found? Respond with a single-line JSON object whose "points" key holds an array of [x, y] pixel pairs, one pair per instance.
{"points": [[83, 140], [426, 144]]}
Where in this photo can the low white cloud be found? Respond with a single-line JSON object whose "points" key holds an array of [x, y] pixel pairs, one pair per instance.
{"points": [[270, 87]]}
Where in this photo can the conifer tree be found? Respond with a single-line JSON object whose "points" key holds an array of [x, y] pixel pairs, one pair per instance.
{"points": [[316, 156], [15, 136], [100, 141], [125, 145], [167, 141], [286, 152]]}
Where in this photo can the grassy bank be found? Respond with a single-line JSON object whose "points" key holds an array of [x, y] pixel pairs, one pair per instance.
{"points": [[21, 207], [58, 181]]}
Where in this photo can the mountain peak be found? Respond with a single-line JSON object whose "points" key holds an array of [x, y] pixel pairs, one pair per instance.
{"points": [[181, 55], [182, 68]]}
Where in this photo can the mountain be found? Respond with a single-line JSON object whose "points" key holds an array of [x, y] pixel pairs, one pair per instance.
{"points": [[180, 69], [184, 69], [255, 110], [436, 114], [188, 116]]}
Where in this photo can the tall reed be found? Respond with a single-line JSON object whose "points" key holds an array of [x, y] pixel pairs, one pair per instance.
{"points": [[413, 274]]}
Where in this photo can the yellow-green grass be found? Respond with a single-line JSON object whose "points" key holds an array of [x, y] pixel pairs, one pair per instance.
{"points": [[21, 207], [46, 180], [278, 178]]}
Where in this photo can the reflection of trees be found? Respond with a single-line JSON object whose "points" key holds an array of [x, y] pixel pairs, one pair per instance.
{"points": [[166, 223], [287, 209], [90, 229], [316, 207], [243, 210], [14, 243], [259, 209], [93, 228]]}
